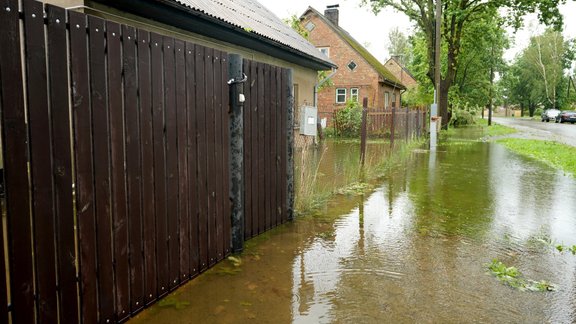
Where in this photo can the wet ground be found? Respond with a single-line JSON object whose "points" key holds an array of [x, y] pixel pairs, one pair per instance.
{"points": [[535, 129], [412, 251]]}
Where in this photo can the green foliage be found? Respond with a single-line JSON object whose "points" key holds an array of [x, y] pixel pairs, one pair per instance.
{"points": [[559, 156], [399, 45], [512, 277], [349, 119], [461, 118], [495, 129]]}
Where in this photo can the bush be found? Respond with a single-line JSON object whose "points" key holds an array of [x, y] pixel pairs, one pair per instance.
{"points": [[349, 120], [538, 112], [461, 118]]}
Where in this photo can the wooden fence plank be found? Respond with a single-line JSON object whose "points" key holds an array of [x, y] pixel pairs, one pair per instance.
{"points": [[219, 147], [62, 164], [15, 166], [183, 184], [283, 148], [133, 168], [272, 156], [200, 156], [267, 144], [118, 180], [261, 145], [171, 162], [246, 64], [40, 162], [158, 115], [85, 204], [254, 179], [227, 204], [192, 157], [101, 139], [279, 137], [211, 147], [148, 167]]}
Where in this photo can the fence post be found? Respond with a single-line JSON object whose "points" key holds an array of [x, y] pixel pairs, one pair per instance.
{"points": [[236, 173], [290, 148], [392, 130], [363, 131]]}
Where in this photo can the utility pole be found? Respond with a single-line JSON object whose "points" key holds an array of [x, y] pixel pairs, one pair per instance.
{"points": [[437, 80], [490, 103]]}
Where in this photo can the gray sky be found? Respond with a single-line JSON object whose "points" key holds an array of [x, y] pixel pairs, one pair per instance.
{"points": [[372, 31]]}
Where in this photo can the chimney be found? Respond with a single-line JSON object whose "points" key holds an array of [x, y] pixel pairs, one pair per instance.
{"points": [[331, 13]]}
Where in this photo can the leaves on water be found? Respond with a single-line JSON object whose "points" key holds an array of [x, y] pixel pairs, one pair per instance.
{"points": [[355, 189], [512, 277]]}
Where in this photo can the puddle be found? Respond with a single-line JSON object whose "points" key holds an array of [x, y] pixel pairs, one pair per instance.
{"points": [[414, 250]]}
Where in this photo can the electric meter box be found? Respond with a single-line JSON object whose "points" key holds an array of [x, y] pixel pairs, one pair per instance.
{"points": [[308, 120]]}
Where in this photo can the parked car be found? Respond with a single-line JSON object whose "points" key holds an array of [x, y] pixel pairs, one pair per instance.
{"points": [[566, 116], [550, 114]]}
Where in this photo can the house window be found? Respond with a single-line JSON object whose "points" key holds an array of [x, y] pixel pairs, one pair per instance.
{"points": [[340, 95], [354, 94], [325, 50], [393, 100], [352, 65], [310, 26], [386, 99]]}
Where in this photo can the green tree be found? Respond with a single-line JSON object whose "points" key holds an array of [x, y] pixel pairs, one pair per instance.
{"points": [[399, 45], [457, 14]]}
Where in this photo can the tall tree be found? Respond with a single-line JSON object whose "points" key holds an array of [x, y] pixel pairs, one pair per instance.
{"points": [[399, 45], [455, 17]]}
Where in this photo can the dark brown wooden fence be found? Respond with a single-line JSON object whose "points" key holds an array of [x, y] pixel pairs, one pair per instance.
{"points": [[116, 163], [265, 113]]}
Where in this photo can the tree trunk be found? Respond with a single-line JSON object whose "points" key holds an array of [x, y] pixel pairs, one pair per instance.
{"points": [[443, 103]]}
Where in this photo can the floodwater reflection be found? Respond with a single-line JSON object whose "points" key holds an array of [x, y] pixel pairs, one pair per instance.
{"points": [[414, 250]]}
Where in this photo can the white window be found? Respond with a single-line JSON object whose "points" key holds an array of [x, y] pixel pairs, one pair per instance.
{"points": [[354, 94], [310, 26], [325, 50], [393, 100], [386, 99], [340, 95]]}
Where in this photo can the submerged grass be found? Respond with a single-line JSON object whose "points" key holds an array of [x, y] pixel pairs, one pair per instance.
{"points": [[559, 156], [312, 194]]}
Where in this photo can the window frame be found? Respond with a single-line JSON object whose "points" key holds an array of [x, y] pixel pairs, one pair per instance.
{"points": [[327, 48], [339, 94], [357, 95]]}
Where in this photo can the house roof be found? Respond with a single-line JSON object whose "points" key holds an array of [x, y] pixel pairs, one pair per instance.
{"points": [[386, 75], [402, 66], [242, 22]]}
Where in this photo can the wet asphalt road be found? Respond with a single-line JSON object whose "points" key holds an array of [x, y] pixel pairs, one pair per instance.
{"points": [[563, 133]]}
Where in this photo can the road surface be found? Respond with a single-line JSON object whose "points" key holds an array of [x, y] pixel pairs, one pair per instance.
{"points": [[563, 133]]}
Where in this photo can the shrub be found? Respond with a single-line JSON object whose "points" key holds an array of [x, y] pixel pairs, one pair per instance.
{"points": [[349, 119], [461, 118]]}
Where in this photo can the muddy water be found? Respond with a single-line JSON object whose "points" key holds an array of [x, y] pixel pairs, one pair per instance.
{"points": [[412, 251]]}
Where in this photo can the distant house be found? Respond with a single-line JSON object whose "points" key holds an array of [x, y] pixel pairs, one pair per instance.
{"points": [[401, 72], [236, 26], [359, 74]]}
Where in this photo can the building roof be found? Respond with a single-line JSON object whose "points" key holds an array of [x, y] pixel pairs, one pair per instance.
{"points": [[242, 22], [401, 66], [386, 75]]}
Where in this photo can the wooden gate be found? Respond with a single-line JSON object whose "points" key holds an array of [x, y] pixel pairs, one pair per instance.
{"points": [[265, 147]]}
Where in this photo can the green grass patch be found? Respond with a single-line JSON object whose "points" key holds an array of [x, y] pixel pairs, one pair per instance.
{"points": [[495, 129], [559, 156]]}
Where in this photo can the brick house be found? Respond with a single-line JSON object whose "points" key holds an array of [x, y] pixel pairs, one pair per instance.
{"points": [[359, 74], [400, 72]]}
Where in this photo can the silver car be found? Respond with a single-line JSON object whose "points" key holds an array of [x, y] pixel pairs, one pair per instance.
{"points": [[550, 114]]}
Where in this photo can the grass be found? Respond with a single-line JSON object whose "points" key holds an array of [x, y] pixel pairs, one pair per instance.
{"points": [[495, 129], [312, 194], [559, 156], [513, 278]]}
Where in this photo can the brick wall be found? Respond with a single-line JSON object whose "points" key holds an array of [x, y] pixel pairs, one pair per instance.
{"points": [[363, 77], [399, 73]]}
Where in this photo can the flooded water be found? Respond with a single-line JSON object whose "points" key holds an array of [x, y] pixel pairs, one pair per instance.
{"points": [[413, 251]]}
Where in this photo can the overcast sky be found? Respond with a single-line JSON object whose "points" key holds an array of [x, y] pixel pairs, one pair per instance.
{"points": [[372, 31]]}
